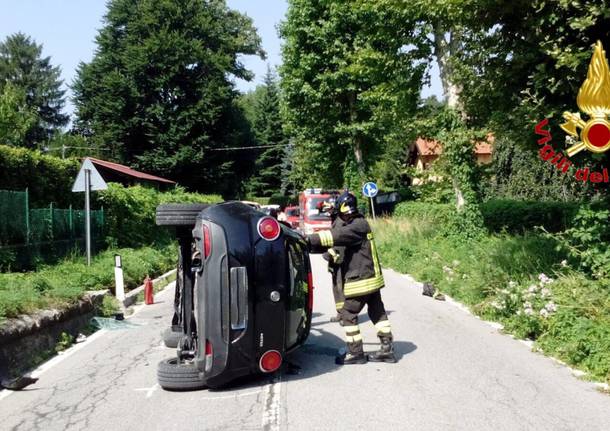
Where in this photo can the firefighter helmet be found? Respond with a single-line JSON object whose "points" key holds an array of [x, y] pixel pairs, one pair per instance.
{"points": [[346, 204]]}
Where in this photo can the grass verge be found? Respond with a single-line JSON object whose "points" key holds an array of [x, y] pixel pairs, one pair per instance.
{"points": [[63, 284], [521, 281]]}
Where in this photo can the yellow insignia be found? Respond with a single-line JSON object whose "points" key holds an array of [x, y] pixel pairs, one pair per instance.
{"points": [[593, 99], [344, 208]]}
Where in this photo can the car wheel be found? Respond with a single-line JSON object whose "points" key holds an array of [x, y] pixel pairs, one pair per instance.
{"points": [[179, 214], [171, 337], [173, 375]]}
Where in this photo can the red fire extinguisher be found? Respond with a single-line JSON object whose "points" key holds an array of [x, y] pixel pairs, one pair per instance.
{"points": [[148, 291]]}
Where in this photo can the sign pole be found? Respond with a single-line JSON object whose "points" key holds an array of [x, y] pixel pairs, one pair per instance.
{"points": [[88, 180], [370, 190], [88, 214]]}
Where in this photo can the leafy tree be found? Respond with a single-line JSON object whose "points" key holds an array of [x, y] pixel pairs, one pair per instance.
{"points": [[349, 80], [16, 118], [22, 65], [159, 92], [527, 75], [267, 127]]}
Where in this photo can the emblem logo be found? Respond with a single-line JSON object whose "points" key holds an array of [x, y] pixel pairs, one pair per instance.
{"points": [[593, 99]]}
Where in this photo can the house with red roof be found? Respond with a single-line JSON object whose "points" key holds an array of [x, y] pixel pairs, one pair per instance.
{"points": [[423, 152]]}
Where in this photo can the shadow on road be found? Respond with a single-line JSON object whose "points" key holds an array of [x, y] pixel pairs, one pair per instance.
{"points": [[314, 358]]}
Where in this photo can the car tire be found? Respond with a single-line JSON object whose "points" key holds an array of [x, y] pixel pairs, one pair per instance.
{"points": [[175, 376], [179, 214], [171, 337]]}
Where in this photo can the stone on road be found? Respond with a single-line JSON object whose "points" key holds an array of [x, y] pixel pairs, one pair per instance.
{"points": [[455, 372]]}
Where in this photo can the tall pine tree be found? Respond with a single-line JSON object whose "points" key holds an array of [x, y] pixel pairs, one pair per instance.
{"points": [[159, 90], [23, 67], [267, 126]]}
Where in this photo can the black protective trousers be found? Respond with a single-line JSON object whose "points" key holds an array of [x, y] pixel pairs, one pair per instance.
{"points": [[353, 306]]}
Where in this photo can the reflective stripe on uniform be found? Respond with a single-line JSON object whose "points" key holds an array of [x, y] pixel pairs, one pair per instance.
{"points": [[353, 339], [339, 305], [352, 333], [349, 329], [363, 287], [374, 253], [326, 238], [383, 327]]}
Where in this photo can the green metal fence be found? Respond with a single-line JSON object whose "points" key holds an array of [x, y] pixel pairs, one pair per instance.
{"points": [[28, 235]]}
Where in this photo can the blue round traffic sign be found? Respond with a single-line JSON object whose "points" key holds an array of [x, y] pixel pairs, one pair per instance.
{"points": [[370, 190]]}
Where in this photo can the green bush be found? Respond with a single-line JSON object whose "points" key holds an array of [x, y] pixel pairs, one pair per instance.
{"points": [[130, 213], [65, 283], [430, 212], [499, 215], [524, 282], [109, 307], [587, 240], [48, 178], [521, 216]]}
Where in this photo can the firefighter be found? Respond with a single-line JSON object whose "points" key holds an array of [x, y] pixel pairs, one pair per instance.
{"points": [[362, 280], [334, 257]]}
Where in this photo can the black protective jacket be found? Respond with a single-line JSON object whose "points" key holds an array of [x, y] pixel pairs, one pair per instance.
{"points": [[360, 268]]}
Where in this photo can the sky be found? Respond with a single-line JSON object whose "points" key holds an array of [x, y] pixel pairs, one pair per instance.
{"points": [[67, 30]]}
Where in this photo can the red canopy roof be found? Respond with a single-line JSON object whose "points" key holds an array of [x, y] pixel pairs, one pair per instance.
{"points": [[126, 170]]}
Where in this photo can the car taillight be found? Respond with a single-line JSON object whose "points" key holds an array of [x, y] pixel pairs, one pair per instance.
{"points": [[269, 228], [270, 361], [207, 241], [310, 291], [209, 358]]}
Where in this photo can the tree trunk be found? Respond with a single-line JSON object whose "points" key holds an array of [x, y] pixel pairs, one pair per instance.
{"points": [[444, 50], [357, 138], [460, 202]]}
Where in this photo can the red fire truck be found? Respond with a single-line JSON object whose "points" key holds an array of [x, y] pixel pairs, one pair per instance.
{"points": [[312, 218]]}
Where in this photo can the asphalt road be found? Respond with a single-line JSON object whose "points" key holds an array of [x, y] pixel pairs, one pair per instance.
{"points": [[455, 372]]}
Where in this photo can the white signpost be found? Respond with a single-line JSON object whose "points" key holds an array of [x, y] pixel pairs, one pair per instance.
{"points": [[118, 277], [370, 190], [88, 180]]}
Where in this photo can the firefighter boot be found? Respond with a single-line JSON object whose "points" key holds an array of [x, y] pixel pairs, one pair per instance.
{"points": [[385, 352], [355, 355]]}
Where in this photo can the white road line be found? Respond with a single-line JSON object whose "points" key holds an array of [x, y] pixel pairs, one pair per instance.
{"points": [[230, 397], [272, 406], [75, 348], [149, 391], [59, 358]]}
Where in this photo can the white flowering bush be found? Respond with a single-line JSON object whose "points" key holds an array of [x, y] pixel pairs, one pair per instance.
{"points": [[524, 309]]}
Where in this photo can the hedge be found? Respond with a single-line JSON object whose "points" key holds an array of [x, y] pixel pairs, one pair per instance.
{"points": [[429, 212], [48, 178], [521, 216], [499, 214], [130, 212]]}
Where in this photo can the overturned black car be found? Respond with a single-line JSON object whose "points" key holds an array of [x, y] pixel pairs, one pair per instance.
{"points": [[244, 294]]}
